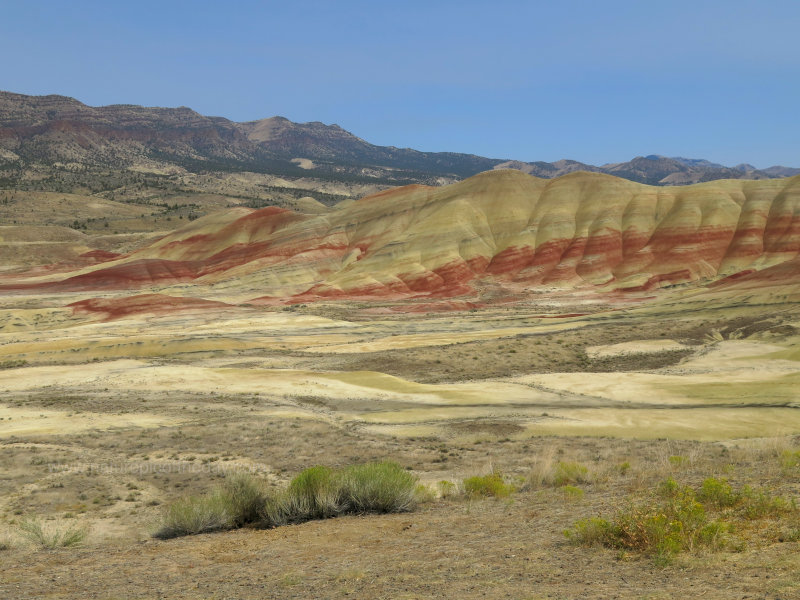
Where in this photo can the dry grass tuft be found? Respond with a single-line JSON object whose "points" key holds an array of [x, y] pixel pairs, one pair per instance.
{"points": [[52, 535]]}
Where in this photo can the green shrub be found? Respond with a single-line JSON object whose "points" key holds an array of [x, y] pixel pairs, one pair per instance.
{"points": [[197, 514], [570, 472], [759, 504], [53, 535], [718, 493], [591, 531], [660, 530], [668, 488], [751, 503], [316, 493], [378, 487], [491, 485], [679, 520]]}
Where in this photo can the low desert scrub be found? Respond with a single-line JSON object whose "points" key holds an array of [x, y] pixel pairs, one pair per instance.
{"points": [[316, 493], [659, 529], [678, 518], [717, 492], [748, 503], [52, 535], [491, 485], [677, 461]]}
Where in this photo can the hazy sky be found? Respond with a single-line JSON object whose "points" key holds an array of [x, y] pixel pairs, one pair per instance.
{"points": [[593, 81]]}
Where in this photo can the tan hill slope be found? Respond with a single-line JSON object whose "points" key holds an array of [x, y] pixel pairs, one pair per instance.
{"points": [[500, 228]]}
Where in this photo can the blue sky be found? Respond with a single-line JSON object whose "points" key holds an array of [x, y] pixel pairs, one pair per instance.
{"points": [[592, 81]]}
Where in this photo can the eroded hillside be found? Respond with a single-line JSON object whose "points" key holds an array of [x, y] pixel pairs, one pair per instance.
{"points": [[501, 233]]}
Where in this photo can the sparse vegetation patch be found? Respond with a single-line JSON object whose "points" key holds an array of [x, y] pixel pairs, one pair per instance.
{"points": [[316, 493], [678, 518]]}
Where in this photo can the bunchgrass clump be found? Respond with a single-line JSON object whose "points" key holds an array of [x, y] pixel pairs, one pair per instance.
{"points": [[491, 485], [245, 497], [378, 487], [316, 493], [197, 514], [52, 535]]}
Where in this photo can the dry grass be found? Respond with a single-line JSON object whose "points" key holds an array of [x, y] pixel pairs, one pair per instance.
{"points": [[549, 472], [196, 514], [541, 472], [53, 534]]}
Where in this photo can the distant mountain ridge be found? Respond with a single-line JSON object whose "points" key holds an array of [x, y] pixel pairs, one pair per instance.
{"points": [[43, 134]]}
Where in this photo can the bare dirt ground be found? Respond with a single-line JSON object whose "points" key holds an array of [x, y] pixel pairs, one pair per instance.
{"points": [[108, 421]]}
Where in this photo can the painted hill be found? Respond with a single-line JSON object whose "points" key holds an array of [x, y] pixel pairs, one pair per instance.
{"points": [[498, 231]]}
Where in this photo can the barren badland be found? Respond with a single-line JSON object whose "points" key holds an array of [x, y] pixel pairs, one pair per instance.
{"points": [[579, 353]]}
